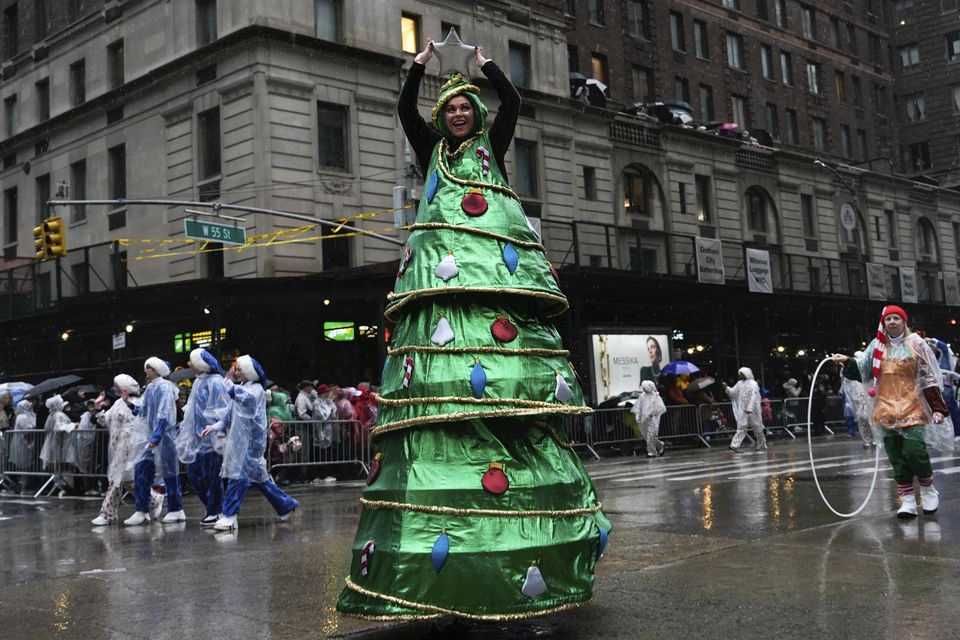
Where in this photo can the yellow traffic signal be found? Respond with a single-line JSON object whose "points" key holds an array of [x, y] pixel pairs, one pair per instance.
{"points": [[39, 243], [55, 237]]}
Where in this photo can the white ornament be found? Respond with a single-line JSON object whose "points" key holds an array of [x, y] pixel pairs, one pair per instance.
{"points": [[533, 586], [562, 393], [447, 268], [443, 333]]}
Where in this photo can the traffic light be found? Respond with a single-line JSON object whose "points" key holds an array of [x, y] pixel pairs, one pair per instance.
{"points": [[55, 237], [39, 243]]}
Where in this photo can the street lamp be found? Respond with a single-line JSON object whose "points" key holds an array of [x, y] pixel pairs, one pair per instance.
{"points": [[128, 328]]}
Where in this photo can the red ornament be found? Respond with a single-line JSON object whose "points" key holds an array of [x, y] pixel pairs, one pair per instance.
{"points": [[474, 204], [872, 392], [503, 330], [495, 480], [374, 469]]}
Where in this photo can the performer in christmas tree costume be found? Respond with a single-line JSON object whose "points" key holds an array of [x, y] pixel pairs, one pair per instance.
{"points": [[476, 506]]}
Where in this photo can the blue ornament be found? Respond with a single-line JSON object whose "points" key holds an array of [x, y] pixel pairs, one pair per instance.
{"points": [[433, 180], [478, 380], [441, 548], [510, 257], [604, 538]]}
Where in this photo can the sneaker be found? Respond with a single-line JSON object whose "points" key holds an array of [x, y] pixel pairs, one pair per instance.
{"points": [[101, 521], [225, 523], [908, 509], [289, 514], [761, 448], [929, 499], [209, 521], [661, 449], [734, 449], [651, 454], [174, 516], [138, 518], [866, 445]]}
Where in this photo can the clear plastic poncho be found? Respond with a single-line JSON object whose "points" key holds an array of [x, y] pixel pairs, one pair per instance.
{"points": [[159, 412], [649, 406], [912, 346], [56, 445], [22, 447], [128, 435], [246, 434], [208, 405], [745, 398]]}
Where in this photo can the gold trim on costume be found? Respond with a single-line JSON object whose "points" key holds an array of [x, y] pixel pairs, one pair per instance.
{"points": [[443, 98], [514, 402], [469, 183], [403, 298], [494, 513], [503, 617], [550, 431], [469, 415], [523, 244], [399, 351]]}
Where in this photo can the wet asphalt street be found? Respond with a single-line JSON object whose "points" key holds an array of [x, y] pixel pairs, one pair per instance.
{"points": [[707, 544]]}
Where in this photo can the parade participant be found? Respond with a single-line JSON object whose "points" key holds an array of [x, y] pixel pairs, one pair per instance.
{"points": [[56, 449], [948, 369], [23, 446], [908, 405], [473, 506], [245, 430], [159, 455], [745, 396], [128, 435], [208, 404], [648, 408]]}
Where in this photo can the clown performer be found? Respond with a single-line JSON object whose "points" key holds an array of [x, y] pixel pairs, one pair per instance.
{"points": [[745, 396], [245, 430], [648, 408], [475, 505], [159, 454], [207, 405], [908, 405], [128, 434]]}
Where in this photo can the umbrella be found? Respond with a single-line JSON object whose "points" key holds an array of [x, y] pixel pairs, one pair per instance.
{"points": [[701, 383], [16, 390], [85, 388], [678, 367], [182, 374], [51, 384]]}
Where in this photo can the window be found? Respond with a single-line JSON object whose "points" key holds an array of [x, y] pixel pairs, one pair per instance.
{"points": [[876, 49], [636, 197], [42, 89], [335, 251], [206, 21], [78, 82], [786, 68], [571, 7], [410, 33], [835, 39], [704, 212], [208, 144], [519, 64], [332, 135], [446, 27], [327, 19], [756, 211], [862, 151], [595, 11], [857, 92], [793, 127], [949, 6], [840, 85], [42, 18], [927, 250], [819, 133], [809, 22], [677, 37], [731, 4], [909, 57], [81, 278], [10, 215], [590, 183], [780, 13], [739, 111], [846, 143], [773, 120], [891, 227], [763, 11], [813, 78], [598, 66], [115, 73], [41, 194], [642, 84], [902, 11], [879, 97], [914, 106], [808, 215], [78, 189], [117, 158], [526, 182], [701, 45], [955, 102], [681, 88], [953, 46], [706, 103], [638, 19], [573, 59], [851, 39], [10, 114], [11, 32], [766, 61], [918, 156], [734, 51]]}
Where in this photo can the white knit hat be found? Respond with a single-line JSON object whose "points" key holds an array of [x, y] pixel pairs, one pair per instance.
{"points": [[158, 365], [126, 383]]}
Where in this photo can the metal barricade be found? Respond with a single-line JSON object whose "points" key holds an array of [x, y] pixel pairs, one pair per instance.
{"points": [[321, 443], [616, 426], [795, 413], [579, 431], [58, 456]]}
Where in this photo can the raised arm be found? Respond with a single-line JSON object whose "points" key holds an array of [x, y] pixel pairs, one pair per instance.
{"points": [[423, 138]]}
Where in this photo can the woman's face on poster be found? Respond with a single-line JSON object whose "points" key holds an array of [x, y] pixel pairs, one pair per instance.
{"points": [[653, 348]]}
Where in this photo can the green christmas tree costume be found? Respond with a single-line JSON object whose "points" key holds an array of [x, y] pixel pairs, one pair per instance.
{"points": [[476, 506]]}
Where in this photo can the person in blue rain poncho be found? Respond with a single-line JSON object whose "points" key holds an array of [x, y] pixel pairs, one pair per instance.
{"points": [[159, 455], [208, 404], [245, 432]]}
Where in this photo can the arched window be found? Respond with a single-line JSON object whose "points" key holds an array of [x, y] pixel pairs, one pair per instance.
{"points": [[756, 210], [637, 191], [927, 248], [853, 236]]}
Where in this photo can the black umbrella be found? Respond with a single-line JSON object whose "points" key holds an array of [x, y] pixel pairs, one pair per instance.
{"points": [[182, 374], [86, 388], [51, 385]]}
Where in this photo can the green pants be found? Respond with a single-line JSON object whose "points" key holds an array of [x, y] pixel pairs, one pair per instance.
{"points": [[907, 451]]}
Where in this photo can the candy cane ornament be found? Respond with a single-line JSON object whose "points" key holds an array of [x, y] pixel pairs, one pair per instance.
{"points": [[365, 554], [407, 372], [484, 156]]}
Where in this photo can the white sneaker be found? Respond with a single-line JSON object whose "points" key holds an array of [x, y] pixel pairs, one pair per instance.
{"points": [[929, 499], [156, 504], [225, 523], [908, 509], [174, 516], [209, 521], [101, 521], [138, 518], [289, 514]]}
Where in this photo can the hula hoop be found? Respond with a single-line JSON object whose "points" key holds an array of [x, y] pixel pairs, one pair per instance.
{"points": [[813, 464]]}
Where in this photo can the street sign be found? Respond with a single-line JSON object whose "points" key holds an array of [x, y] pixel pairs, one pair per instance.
{"points": [[214, 232], [119, 340]]}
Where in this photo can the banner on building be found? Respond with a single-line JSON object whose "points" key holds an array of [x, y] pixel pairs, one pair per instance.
{"points": [[908, 284], [709, 260], [876, 281], [759, 271], [951, 289]]}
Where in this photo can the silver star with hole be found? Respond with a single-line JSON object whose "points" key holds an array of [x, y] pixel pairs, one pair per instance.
{"points": [[453, 55]]}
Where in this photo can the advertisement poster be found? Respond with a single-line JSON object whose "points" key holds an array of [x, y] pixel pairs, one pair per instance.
{"points": [[622, 361]]}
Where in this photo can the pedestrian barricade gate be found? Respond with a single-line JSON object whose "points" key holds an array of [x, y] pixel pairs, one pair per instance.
{"points": [[60, 458], [316, 443]]}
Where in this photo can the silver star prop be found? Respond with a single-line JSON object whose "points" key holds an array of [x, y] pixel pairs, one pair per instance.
{"points": [[453, 55]]}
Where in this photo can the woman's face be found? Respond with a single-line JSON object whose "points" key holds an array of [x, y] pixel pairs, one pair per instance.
{"points": [[458, 116], [652, 352], [894, 325]]}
